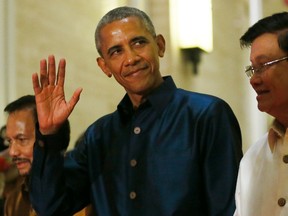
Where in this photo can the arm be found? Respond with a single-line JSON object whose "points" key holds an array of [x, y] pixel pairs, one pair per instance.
{"points": [[222, 151], [58, 184], [50, 189]]}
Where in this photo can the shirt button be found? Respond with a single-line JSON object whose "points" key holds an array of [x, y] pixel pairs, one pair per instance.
{"points": [[41, 143], [285, 159], [132, 195], [133, 163], [281, 202], [137, 130]]}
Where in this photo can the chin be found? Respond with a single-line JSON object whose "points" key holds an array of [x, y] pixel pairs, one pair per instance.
{"points": [[262, 108], [23, 173]]}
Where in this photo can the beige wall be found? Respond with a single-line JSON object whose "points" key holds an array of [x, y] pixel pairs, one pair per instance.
{"points": [[66, 29]]}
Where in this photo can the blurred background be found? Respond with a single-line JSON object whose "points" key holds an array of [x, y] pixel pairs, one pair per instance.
{"points": [[31, 30]]}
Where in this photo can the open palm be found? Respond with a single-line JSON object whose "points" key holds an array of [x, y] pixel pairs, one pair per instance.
{"points": [[52, 108]]}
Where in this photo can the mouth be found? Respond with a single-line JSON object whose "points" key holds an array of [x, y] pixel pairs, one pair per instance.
{"points": [[134, 72], [20, 162], [261, 92]]}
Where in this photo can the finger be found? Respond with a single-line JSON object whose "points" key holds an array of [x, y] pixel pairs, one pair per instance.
{"points": [[74, 99], [35, 81], [61, 72], [43, 73], [51, 70]]}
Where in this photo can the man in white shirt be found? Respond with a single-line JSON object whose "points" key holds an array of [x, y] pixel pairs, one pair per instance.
{"points": [[262, 186]]}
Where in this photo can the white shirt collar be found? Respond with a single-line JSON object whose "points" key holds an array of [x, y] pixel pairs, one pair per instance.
{"points": [[276, 132]]}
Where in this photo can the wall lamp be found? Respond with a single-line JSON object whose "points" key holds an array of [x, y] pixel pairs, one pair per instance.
{"points": [[192, 22]]}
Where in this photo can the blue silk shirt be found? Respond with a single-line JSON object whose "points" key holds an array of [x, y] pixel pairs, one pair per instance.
{"points": [[177, 154]]}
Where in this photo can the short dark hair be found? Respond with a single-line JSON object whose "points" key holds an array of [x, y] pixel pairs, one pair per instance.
{"points": [[120, 13], [24, 102], [29, 102], [276, 23]]}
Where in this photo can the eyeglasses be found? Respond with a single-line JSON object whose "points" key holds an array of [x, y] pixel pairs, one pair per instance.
{"points": [[250, 70]]}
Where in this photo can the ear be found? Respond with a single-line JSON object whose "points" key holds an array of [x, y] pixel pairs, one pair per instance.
{"points": [[101, 63], [161, 45]]}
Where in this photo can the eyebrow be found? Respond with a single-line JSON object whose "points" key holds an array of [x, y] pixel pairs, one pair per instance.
{"points": [[17, 136], [137, 38], [261, 57]]}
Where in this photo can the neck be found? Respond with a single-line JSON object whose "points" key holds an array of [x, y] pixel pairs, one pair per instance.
{"points": [[137, 100]]}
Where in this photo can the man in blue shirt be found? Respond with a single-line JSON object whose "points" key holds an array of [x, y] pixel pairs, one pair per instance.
{"points": [[164, 151]]}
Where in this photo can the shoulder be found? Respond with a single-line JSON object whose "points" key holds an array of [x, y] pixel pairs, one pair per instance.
{"points": [[201, 101], [256, 152], [198, 97]]}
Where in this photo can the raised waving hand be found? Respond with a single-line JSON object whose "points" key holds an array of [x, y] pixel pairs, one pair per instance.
{"points": [[52, 108]]}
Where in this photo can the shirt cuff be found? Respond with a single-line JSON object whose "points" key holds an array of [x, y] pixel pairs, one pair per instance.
{"points": [[57, 142]]}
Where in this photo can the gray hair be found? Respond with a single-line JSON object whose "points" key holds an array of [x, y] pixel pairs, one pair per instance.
{"points": [[118, 14]]}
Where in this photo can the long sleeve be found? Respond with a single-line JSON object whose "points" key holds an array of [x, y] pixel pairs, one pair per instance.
{"points": [[51, 188], [222, 152]]}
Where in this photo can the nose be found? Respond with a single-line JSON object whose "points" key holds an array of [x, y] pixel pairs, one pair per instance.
{"points": [[132, 57], [13, 149], [255, 79]]}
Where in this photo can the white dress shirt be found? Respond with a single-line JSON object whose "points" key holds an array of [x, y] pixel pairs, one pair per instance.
{"points": [[262, 185]]}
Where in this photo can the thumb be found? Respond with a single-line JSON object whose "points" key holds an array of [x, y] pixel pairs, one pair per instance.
{"points": [[74, 99]]}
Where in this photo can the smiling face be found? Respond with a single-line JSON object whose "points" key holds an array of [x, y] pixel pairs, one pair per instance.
{"points": [[271, 85], [20, 133], [131, 54]]}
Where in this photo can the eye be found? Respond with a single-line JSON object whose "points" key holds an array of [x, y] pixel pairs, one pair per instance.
{"points": [[140, 42], [22, 141], [114, 51]]}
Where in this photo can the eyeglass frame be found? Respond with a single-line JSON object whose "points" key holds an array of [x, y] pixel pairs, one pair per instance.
{"points": [[250, 70]]}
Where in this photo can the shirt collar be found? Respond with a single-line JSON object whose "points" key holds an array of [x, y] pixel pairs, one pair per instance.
{"points": [[277, 131], [158, 99]]}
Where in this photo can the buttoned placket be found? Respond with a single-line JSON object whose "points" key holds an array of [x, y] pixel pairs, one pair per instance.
{"points": [[136, 131], [282, 185], [140, 126]]}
